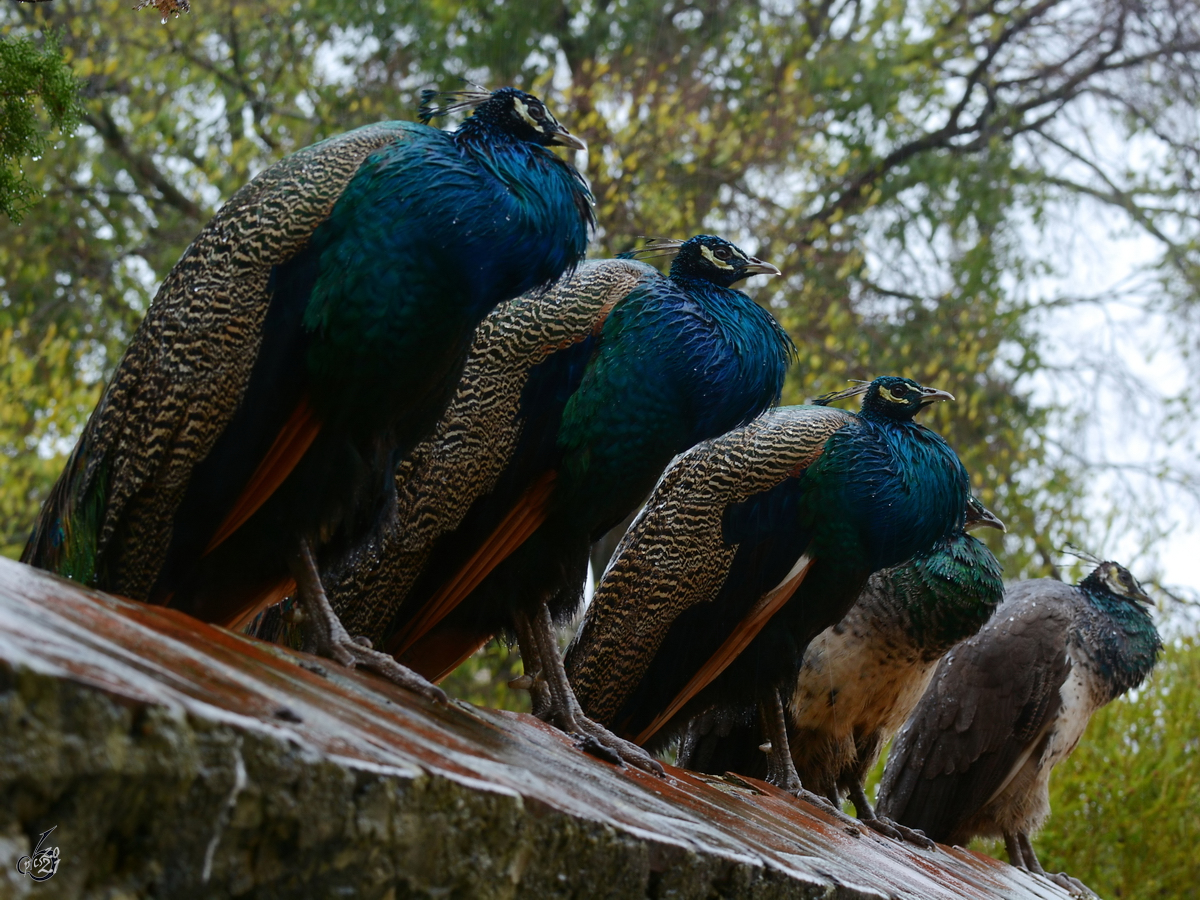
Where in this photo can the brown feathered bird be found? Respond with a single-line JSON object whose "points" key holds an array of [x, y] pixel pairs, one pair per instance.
{"points": [[1009, 704]]}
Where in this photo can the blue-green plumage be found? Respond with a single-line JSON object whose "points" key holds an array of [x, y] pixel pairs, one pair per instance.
{"points": [[730, 525], [675, 361], [314, 329], [862, 676]]}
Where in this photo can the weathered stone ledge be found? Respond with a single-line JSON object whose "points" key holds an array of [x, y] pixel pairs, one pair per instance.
{"points": [[179, 760]]}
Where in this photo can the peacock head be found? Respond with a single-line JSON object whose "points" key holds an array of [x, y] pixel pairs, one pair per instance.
{"points": [[889, 397], [979, 516], [506, 111], [1114, 579], [705, 257]]}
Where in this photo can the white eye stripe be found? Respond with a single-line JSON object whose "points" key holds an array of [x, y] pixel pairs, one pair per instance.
{"points": [[711, 257], [523, 111]]}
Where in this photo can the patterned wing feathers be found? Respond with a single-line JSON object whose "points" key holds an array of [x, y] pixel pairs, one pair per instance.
{"points": [[738, 640], [440, 480], [674, 555], [185, 371], [522, 521]]}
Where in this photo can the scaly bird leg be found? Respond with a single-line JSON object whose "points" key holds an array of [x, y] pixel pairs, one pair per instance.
{"points": [[328, 637], [1072, 885], [1015, 856], [539, 653], [781, 768], [882, 824], [531, 680]]}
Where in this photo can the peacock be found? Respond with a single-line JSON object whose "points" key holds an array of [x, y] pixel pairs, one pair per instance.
{"points": [[572, 403], [751, 545], [862, 677], [315, 329], [1010, 703]]}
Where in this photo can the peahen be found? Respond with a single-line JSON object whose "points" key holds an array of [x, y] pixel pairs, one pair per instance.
{"points": [[863, 676], [1010, 703], [750, 546], [316, 327], [571, 405]]}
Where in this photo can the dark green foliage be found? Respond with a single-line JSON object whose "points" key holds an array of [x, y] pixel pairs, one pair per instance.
{"points": [[29, 74], [483, 679]]}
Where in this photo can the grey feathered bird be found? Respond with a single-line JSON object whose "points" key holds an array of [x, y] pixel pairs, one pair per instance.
{"points": [[862, 677], [1009, 704]]}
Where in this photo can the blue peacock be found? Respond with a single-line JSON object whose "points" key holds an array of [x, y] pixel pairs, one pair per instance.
{"points": [[750, 546], [572, 403], [313, 330]]}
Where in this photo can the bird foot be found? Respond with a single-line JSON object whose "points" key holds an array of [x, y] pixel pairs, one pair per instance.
{"points": [[354, 655], [326, 636], [899, 832], [1072, 886], [821, 803], [597, 740]]}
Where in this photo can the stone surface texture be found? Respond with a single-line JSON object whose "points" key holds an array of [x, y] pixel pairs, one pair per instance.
{"points": [[176, 760]]}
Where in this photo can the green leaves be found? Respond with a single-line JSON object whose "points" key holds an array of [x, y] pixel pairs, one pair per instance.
{"points": [[37, 91]]}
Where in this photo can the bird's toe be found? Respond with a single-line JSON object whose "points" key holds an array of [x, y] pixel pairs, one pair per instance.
{"points": [[896, 831], [385, 665], [625, 751], [1073, 886]]}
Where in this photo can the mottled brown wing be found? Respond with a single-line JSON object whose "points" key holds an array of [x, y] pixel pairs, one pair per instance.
{"points": [[442, 478], [674, 555], [989, 703], [182, 377]]}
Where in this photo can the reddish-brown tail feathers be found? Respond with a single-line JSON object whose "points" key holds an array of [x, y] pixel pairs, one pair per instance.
{"points": [[522, 520], [290, 445], [747, 629]]}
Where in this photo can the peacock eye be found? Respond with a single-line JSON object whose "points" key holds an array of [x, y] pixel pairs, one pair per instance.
{"points": [[900, 392], [722, 253]]}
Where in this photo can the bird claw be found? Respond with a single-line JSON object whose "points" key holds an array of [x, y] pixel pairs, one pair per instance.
{"points": [[355, 656], [589, 744], [609, 745], [1072, 886], [899, 832], [823, 804]]}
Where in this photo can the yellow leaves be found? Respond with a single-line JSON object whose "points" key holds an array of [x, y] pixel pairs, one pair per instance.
{"points": [[42, 405]]}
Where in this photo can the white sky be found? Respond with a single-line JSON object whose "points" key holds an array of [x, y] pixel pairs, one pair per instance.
{"points": [[1096, 258]]}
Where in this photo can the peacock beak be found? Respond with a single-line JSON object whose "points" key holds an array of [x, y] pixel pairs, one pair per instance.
{"points": [[561, 136], [979, 516], [933, 395], [756, 266]]}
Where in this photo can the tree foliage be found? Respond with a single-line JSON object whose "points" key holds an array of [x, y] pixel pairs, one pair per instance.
{"points": [[29, 74], [898, 160]]}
